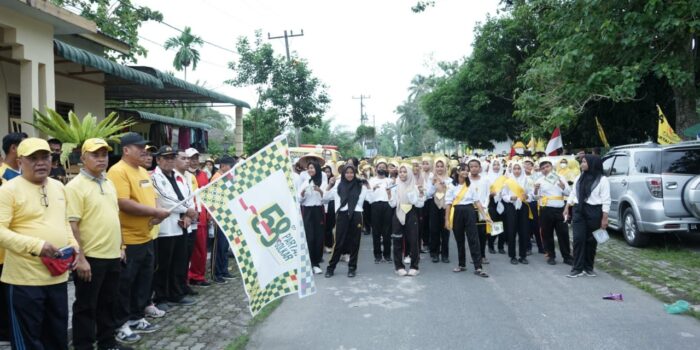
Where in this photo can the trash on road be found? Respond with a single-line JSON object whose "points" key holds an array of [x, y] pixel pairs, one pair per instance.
{"points": [[614, 296], [679, 307]]}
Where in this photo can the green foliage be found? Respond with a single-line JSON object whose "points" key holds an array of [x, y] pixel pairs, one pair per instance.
{"points": [[323, 134], [200, 114], [186, 53], [289, 88], [76, 131], [116, 18], [386, 140], [216, 148], [261, 126], [421, 6], [364, 132]]}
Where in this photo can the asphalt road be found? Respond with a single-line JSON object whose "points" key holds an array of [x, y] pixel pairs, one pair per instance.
{"points": [[519, 307]]}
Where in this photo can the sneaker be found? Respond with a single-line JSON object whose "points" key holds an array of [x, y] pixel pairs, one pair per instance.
{"points": [[492, 251], [329, 273], [114, 347], [523, 261], [501, 251], [351, 273], [436, 259], [317, 270], [514, 261], [219, 280], [200, 283], [126, 336], [377, 260], [413, 272], [153, 312], [407, 260], [445, 260], [590, 273], [163, 306], [228, 277], [328, 250], [388, 260], [551, 261], [485, 261], [190, 291], [185, 301], [401, 272], [529, 252], [569, 261], [345, 257], [143, 326], [575, 274]]}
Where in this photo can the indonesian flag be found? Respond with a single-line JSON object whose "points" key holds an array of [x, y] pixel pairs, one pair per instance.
{"points": [[554, 144]]}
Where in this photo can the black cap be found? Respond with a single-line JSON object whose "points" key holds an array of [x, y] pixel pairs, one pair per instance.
{"points": [[165, 151], [132, 138], [227, 160]]}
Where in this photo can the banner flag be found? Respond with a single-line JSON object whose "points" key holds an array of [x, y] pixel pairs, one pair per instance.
{"points": [[601, 133], [255, 206], [666, 134]]}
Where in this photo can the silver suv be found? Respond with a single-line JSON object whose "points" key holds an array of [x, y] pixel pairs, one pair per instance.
{"points": [[654, 189]]}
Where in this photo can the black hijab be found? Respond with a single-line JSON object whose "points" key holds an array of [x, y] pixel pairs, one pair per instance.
{"points": [[590, 178], [317, 179], [349, 191]]}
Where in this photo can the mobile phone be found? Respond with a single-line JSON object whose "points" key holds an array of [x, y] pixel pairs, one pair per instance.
{"points": [[391, 186], [67, 252]]}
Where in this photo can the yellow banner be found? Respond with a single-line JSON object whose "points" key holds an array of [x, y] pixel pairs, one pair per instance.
{"points": [[666, 134], [601, 133]]}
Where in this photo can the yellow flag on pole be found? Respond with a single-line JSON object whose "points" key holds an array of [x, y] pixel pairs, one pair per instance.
{"points": [[531, 145], [666, 134], [601, 133]]}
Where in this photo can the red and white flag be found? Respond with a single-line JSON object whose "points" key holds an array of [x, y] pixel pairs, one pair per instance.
{"points": [[554, 144]]}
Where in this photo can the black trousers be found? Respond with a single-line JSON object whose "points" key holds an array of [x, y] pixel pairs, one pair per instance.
{"points": [[381, 229], [586, 219], [517, 227], [406, 235], [313, 225], [423, 231], [464, 226], [367, 217], [495, 216], [551, 220], [439, 235], [4, 311], [535, 227], [39, 316], [135, 283], [93, 318], [167, 283], [347, 239], [481, 233], [328, 239]]}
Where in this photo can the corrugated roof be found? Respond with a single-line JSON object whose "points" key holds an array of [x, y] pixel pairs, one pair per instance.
{"points": [[165, 120]]}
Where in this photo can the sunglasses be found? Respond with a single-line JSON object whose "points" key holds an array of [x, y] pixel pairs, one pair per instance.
{"points": [[44, 196]]}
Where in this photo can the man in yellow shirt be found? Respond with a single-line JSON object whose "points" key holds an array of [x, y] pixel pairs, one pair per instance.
{"points": [[93, 214], [32, 225], [137, 213]]}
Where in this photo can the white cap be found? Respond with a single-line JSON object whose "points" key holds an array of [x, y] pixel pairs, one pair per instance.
{"points": [[190, 152]]}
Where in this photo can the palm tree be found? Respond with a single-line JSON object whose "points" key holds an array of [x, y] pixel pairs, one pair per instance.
{"points": [[186, 53]]}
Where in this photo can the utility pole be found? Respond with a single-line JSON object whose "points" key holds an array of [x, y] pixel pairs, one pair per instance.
{"points": [[286, 47], [362, 107]]}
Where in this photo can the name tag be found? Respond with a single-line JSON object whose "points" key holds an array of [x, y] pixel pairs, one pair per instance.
{"points": [[145, 183]]}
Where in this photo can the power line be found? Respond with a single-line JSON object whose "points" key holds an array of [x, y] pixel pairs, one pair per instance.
{"points": [[163, 47], [362, 99], [286, 39]]}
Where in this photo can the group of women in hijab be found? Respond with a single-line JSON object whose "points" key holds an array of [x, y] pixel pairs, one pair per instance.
{"points": [[416, 205]]}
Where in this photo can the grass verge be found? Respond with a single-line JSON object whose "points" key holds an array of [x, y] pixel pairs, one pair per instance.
{"points": [[242, 340]]}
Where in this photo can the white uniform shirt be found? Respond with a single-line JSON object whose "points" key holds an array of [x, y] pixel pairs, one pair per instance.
{"points": [[167, 199], [432, 188], [332, 195], [552, 189], [414, 197], [482, 189], [600, 195], [309, 197], [379, 195], [469, 198]]}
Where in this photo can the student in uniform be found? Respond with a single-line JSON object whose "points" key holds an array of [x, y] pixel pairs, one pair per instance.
{"points": [[460, 216], [349, 194], [551, 191], [328, 239], [311, 199], [438, 185], [422, 183], [492, 175], [481, 186], [406, 197], [515, 194], [590, 199], [381, 213], [532, 176]]}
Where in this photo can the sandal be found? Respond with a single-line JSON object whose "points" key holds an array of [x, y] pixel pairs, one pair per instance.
{"points": [[459, 269], [481, 273]]}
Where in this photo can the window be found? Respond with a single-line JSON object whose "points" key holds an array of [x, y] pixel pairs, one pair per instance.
{"points": [[682, 161], [14, 112], [647, 162], [621, 165], [607, 165], [63, 108]]}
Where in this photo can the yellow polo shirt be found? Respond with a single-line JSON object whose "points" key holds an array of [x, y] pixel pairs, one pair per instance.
{"points": [[94, 206], [26, 223], [6, 174], [135, 184]]}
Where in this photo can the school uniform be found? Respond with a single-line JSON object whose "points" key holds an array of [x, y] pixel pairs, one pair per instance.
{"points": [[552, 199], [381, 217], [464, 222], [439, 235], [482, 188], [348, 226], [515, 218], [312, 212], [587, 216], [405, 234]]}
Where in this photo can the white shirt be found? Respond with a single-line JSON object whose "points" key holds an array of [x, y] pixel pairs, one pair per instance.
{"points": [[379, 195], [600, 195], [469, 198], [524, 182], [167, 199], [333, 195], [432, 188], [309, 197], [414, 197], [549, 189], [482, 189]]}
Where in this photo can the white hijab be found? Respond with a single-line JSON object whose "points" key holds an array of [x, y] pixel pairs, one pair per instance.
{"points": [[402, 190]]}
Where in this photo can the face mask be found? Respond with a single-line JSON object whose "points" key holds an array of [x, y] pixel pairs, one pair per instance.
{"points": [[382, 172], [563, 165]]}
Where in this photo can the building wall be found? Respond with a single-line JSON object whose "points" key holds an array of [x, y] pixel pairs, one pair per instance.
{"points": [[86, 97]]}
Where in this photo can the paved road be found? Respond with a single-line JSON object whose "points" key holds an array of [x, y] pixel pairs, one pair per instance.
{"points": [[519, 307]]}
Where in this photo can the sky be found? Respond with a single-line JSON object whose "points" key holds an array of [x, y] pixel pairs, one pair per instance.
{"points": [[362, 47]]}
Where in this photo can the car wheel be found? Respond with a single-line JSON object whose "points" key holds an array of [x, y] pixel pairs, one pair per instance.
{"points": [[630, 230]]}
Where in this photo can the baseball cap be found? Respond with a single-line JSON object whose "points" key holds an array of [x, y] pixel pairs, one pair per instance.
{"points": [[31, 145], [92, 145], [132, 138], [165, 150], [151, 148], [191, 151]]}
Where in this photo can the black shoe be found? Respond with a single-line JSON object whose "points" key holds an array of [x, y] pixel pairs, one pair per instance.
{"points": [[190, 291], [514, 261], [200, 283], [551, 261], [436, 259], [569, 261], [492, 251], [446, 260], [529, 252], [351, 273], [540, 251], [523, 261], [377, 260], [575, 274], [329, 273], [501, 251], [388, 260]]}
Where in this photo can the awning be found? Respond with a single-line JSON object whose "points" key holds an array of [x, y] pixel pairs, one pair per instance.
{"points": [[161, 118], [119, 71], [174, 90]]}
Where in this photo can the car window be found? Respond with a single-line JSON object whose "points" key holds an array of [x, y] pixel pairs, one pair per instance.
{"points": [[620, 166], [681, 161], [607, 165], [647, 162]]}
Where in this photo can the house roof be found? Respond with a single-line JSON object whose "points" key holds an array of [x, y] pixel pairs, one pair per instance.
{"points": [[162, 119], [63, 21]]}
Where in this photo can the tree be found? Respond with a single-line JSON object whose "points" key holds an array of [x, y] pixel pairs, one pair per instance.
{"points": [[261, 126], [323, 134], [386, 140], [287, 87], [186, 52], [119, 19]]}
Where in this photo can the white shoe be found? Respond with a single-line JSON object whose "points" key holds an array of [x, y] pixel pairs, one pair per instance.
{"points": [[153, 312], [413, 272], [328, 250], [126, 336], [401, 272], [407, 260], [345, 257], [317, 270]]}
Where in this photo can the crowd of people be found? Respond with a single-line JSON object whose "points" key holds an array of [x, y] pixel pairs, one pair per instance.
{"points": [[410, 207], [133, 235]]}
